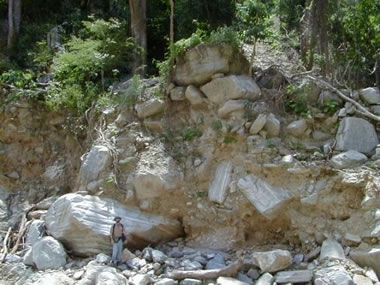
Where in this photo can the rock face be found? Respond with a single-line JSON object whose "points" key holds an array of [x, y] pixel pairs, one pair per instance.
{"points": [[218, 188], [149, 108], [265, 198], [351, 133], [154, 176], [97, 160], [272, 261], [83, 224], [48, 253], [367, 256], [348, 159], [223, 89], [370, 95], [199, 64]]}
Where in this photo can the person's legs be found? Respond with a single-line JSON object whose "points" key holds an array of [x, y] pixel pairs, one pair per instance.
{"points": [[114, 252], [119, 250]]}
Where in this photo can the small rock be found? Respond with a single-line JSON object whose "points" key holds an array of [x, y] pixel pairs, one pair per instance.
{"points": [[194, 95], [298, 258], [272, 126], [231, 106], [166, 281], [102, 258], [176, 253], [244, 278], [253, 273], [313, 254], [149, 108], [297, 128], [258, 124], [189, 281], [348, 159], [177, 94], [272, 261], [192, 265], [229, 281], [216, 262], [350, 239], [296, 276], [265, 279], [140, 279], [78, 275]]}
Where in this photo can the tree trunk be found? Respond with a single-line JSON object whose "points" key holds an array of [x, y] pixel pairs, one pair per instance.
{"points": [[171, 22], [323, 36], [377, 71], [14, 21], [138, 27], [314, 33]]}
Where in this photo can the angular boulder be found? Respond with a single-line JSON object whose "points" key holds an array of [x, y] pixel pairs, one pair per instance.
{"points": [[297, 128], [220, 90], [149, 108], [334, 275], [154, 177], [272, 126], [113, 278], [231, 106], [178, 94], [258, 124], [265, 279], [218, 188], [36, 232], [273, 261], [348, 159], [194, 95], [97, 160], [331, 249], [266, 199], [83, 223], [356, 134], [199, 64], [365, 255], [370, 95], [229, 281], [48, 253]]}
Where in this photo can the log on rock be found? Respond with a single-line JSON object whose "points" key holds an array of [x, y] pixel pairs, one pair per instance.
{"points": [[5, 247], [227, 271]]}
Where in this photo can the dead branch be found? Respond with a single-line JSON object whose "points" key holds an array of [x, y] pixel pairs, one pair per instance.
{"points": [[362, 110], [5, 247], [21, 232], [207, 274]]}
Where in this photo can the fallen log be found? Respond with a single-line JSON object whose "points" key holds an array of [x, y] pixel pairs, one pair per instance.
{"points": [[5, 247], [227, 271]]}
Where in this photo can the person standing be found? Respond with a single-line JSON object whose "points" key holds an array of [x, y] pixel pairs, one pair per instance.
{"points": [[117, 235]]}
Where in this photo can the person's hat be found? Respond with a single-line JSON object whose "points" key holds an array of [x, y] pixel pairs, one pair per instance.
{"points": [[116, 218]]}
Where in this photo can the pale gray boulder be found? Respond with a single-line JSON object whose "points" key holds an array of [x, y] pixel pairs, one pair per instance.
{"points": [[365, 255], [110, 278], [166, 281], [297, 128], [356, 134], [222, 178], [199, 64], [83, 223], [96, 161], [140, 279], [331, 249], [229, 281], [265, 279], [35, 232], [48, 253], [178, 94], [194, 95], [334, 275], [220, 90], [272, 126], [348, 159], [370, 95], [272, 261], [150, 108], [231, 106], [258, 124], [268, 200]]}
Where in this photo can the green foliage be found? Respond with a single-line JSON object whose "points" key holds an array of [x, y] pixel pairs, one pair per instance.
{"points": [[191, 133], [224, 35], [229, 140], [298, 101], [217, 126], [330, 106], [129, 97], [42, 56], [18, 78]]}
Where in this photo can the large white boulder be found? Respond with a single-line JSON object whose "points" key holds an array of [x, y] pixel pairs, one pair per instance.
{"points": [[273, 261], [96, 161], [156, 174], [83, 223], [333, 275], [370, 95], [348, 159], [200, 63], [331, 249], [218, 188], [48, 253], [230, 87], [266, 199], [356, 134]]}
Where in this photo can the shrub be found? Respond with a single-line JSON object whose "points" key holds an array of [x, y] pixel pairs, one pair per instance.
{"points": [[190, 133]]}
